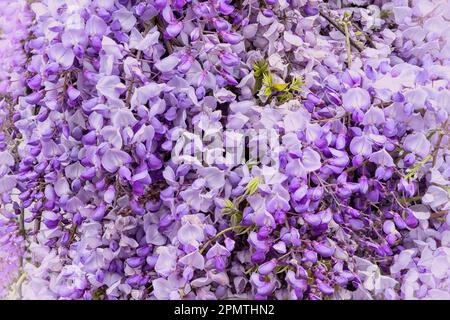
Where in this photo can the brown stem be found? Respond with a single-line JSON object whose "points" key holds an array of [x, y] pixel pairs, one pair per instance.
{"points": [[354, 44], [138, 57], [438, 143], [167, 43], [22, 230], [73, 233], [368, 38], [439, 214]]}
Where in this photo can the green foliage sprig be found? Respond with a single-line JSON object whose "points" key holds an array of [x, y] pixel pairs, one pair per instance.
{"points": [[265, 85]]}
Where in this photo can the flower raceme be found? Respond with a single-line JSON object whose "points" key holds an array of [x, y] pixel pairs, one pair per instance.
{"points": [[171, 149]]}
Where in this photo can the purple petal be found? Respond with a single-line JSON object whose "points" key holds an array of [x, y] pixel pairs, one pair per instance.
{"points": [[355, 98], [113, 159]]}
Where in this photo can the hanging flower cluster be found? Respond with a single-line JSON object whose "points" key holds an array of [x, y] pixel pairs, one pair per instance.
{"points": [[15, 20], [218, 149]]}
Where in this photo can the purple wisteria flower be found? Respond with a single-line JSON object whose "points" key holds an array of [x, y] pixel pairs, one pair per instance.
{"points": [[171, 149]]}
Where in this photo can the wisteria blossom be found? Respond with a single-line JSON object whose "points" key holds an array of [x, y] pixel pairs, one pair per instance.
{"points": [[219, 149]]}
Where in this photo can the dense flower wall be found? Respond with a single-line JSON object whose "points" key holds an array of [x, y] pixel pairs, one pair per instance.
{"points": [[222, 149]]}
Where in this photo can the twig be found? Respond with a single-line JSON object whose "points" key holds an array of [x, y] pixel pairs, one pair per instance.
{"points": [[438, 143], [412, 199], [347, 44], [22, 230], [368, 38], [167, 44], [322, 183], [18, 285], [37, 224], [218, 235], [355, 44], [439, 214], [73, 233], [351, 169], [138, 57], [146, 30]]}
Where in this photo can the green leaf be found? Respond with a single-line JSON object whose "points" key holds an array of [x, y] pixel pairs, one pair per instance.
{"points": [[252, 186], [280, 86], [285, 97], [384, 14], [227, 211], [298, 81], [258, 85], [250, 163], [267, 91], [244, 231], [411, 172], [228, 203], [234, 220], [260, 67], [295, 88], [283, 269], [251, 269]]}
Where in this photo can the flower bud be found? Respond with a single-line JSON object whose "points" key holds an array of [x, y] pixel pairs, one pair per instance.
{"points": [[322, 249], [325, 288], [35, 97], [267, 13], [357, 160], [160, 4], [135, 262], [409, 159], [99, 213], [258, 257], [173, 29], [221, 24], [195, 34], [351, 78], [411, 221], [229, 59], [310, 10], [225, 8], [230, 37], [310, 256], [267, 267]]}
